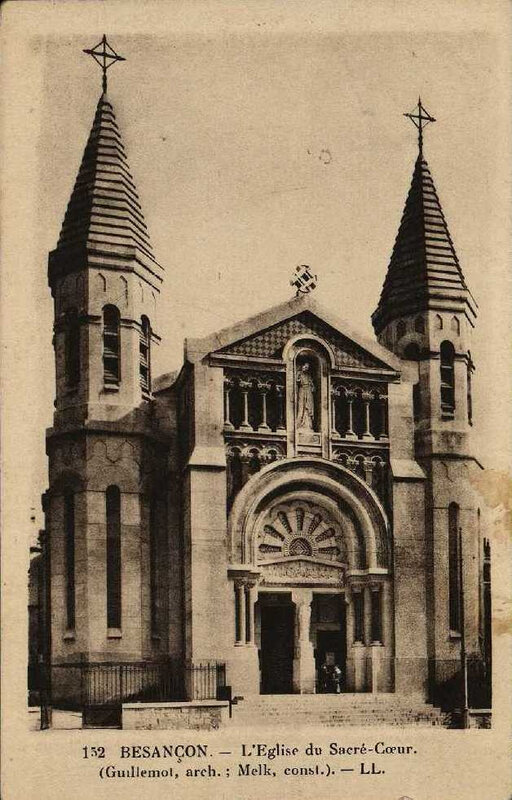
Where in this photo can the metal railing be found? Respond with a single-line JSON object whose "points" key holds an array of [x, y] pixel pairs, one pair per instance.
{"points": [[99, 690]]}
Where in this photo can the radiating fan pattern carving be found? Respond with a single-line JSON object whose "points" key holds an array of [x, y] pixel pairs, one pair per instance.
{"points": [[300, 529]]}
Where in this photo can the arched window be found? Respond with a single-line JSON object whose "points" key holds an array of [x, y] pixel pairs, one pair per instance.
{"points": [[469, 394], [72, 348], [145, 356], [69, 536], [447, 379], [401, 329], [113, 504], [455, 325], [453, 567], [438, 322], [111, 346]]}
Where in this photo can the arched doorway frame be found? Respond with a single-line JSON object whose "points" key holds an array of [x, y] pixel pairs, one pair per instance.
{"points": [[367, 591]]}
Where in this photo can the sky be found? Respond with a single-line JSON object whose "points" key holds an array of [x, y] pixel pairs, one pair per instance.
{"points": [[260, 136]]}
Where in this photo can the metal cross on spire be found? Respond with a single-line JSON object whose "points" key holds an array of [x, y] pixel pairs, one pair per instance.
{"points": [[420, 119], [104, 55]]}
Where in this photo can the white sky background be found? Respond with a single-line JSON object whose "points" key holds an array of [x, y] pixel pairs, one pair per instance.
{"points": [[229, 114]]}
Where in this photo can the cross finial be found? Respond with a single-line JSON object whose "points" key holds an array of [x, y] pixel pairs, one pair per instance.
{"points": [[420, 119], [303, 279], [104, 55]]}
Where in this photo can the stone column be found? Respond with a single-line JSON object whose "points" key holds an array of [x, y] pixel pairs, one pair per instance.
{"points": [[251, 598], [375, 667], [335, 393], [367, 397], [245, 385], [356, 638], [386, 615], [244, 673], [263, 388], [376, 614], [387, 638], [374, 595], [367, 605], [384, 416], [349, 433], [280, 392], [240, 612], [228, 385], [349, 635], [304, 676]]}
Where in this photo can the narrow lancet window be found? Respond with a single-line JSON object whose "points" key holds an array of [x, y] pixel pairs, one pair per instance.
{"points": [[69, 534], [113, 503], [111, 346], [447, 379], [145, 356], [453, 567]]}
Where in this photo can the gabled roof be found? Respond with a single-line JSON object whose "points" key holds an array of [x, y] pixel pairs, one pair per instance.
{"points": [[424, 271], [245, 337], [104, 212]]}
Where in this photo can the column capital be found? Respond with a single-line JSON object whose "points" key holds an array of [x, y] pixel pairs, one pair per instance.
{"points": [[301, 597]]}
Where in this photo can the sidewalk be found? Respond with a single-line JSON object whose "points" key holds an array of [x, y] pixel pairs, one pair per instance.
{"points": [[61, 720]]}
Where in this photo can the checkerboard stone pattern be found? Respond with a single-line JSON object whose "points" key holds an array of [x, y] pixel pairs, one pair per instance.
{"points": [[270, 343]]}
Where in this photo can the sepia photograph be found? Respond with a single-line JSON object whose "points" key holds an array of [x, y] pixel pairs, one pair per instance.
{"points": [[259, 481]]}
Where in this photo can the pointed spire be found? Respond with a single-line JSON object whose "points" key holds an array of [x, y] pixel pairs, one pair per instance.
{"points": [[104, 212], [424, 271]]}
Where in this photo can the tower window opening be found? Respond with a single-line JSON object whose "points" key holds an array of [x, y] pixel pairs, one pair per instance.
{"points": [[72, 349], [111, 346], [69, 534], [145, 356], [113, 504], [469, 392], [447, 379], [453, 567]]}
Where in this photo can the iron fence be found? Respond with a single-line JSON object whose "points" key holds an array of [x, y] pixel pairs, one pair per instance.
{"points": [[98, 690]]}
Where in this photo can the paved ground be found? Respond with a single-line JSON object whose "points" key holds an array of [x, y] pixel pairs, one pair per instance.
{"points": [[61, 720]]}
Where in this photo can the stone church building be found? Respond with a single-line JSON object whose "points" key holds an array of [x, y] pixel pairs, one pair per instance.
{"points": [[296, 495]]}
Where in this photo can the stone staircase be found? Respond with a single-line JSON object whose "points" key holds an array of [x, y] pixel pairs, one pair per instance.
{"points": [[335, 710]]}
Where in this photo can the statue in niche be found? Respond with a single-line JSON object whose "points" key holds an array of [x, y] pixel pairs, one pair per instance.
{"points": [[305, 399]]}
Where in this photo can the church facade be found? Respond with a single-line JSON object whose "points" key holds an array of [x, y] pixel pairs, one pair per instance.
{"points": [[296, 496]]}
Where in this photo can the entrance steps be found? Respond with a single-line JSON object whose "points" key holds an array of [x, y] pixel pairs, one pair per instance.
{"points": [[336, 710]]}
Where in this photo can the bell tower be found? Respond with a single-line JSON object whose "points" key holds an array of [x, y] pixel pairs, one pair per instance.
{"points": [[106, 467], [104, 280], [426, 315]]}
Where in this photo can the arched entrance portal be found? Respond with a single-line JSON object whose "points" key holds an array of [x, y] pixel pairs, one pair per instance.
{"points": [[309, 546]]}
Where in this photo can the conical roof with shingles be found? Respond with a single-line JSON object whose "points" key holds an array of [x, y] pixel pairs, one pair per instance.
{"points": [[424, 271], [104, 212]]}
